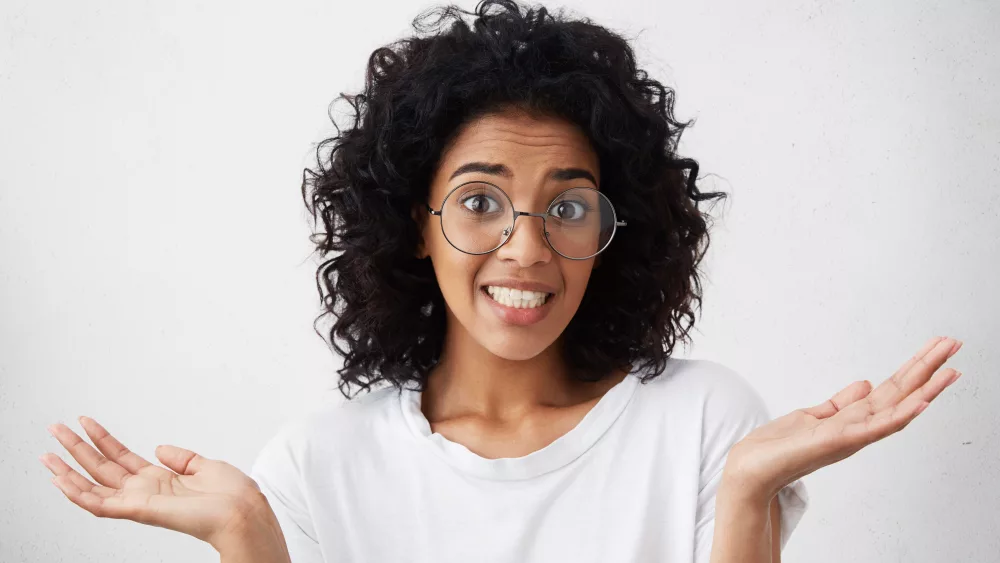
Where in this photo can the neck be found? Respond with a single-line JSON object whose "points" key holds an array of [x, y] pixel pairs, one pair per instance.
{"points": [[469, 380]]}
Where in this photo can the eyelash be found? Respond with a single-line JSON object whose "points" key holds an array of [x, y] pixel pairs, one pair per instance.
{"points": [[586, 206]]}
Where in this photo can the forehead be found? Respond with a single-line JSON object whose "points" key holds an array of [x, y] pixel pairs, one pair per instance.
{"points": [[529, 145]]}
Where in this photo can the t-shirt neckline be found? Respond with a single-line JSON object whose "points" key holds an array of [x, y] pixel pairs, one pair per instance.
{"points": [[559, 453]]}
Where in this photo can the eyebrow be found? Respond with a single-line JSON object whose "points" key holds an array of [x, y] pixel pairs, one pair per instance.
{"points": [[503, 171]]}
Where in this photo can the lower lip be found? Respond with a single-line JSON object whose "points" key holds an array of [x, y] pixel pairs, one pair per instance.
{"points": [[520, 317]]}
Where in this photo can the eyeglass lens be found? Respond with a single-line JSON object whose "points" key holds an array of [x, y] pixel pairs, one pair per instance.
{"points": [[478, 217]]}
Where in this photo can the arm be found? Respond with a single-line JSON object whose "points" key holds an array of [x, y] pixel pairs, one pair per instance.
{"points": [[253, 537], [733, 410], [208, 499], [278, 472], [743, 534], [775, 531], [797, 444], [743, 526]]}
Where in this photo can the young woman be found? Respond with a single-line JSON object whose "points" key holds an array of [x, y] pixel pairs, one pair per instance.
{"points": [[511, 248]]}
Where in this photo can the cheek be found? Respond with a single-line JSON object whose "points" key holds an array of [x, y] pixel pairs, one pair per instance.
{"points": [[576, 275], [455, 272]]}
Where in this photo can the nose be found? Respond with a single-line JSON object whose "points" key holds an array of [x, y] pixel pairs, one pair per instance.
{"points": [[526, 245]]}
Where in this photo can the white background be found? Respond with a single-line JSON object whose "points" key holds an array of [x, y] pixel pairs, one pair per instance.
{"points": [[155, 270]]}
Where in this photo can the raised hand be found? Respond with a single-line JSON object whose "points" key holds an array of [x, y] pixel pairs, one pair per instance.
{"points": [[790, 447], [204, 498]]}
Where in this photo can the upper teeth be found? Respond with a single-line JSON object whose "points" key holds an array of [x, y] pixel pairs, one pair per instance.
{"points": [[517, 298]]}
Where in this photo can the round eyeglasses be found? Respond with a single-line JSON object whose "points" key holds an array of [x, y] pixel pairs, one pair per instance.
{"points": [[478, 217]]}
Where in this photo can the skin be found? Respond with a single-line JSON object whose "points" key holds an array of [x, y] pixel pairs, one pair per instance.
{"points": [[804, 440], [502, 390]]}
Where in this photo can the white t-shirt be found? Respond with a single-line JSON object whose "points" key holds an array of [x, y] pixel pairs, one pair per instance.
{"points": [[365, 480]]}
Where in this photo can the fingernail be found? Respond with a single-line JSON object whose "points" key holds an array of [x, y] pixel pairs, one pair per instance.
{"points": [[52, 429], [958, 344], [955, 378], [45, 461]]}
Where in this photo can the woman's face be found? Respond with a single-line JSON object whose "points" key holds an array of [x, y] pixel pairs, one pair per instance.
{"points": [[523, 154]]}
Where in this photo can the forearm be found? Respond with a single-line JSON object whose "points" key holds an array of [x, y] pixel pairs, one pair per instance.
{"points": [[255, 537], [742, 525], [250, 550]]}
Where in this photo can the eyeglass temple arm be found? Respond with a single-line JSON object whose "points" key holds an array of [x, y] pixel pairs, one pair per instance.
{"points": [[431, 211]]}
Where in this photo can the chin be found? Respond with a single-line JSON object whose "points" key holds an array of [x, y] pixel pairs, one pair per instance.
{"points": [[515, 348]]}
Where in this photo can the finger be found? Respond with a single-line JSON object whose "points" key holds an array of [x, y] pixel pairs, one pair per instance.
{"points": [[184, 462], [111, 447], [919, 370], [893, 419], [886, 422], [846, 396], [927, 347], [901, 372], [103, 470], [58, 467], [105, 507], [84, 499], [930, 390]]}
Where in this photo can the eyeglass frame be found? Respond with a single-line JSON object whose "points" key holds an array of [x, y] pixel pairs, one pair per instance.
{"points": [[516, 214]]}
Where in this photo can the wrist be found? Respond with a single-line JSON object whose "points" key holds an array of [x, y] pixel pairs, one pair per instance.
{"points": [[741, 489], [252, 533], [742, 523]]}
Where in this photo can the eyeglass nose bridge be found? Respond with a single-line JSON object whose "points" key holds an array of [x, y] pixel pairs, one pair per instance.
{"points": [[510, 229]]}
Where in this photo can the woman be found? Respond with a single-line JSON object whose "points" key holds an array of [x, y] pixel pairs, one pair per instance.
{"points": [[513, 247]]}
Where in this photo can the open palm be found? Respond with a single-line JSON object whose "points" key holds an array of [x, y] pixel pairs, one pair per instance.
{"points": [[798, 443], [192, 494]]}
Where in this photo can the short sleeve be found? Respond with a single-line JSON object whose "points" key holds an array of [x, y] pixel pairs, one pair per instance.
{"points": [[277, 471], [732, 409]]}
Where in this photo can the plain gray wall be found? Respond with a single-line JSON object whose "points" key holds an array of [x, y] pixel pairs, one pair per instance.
{"points": [[155, 269]]}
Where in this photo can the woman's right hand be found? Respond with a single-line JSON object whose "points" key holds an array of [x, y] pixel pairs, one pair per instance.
{"points": [[205, 498]]}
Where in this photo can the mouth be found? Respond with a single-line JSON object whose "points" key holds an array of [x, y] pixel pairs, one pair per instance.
{"points": [[516, 298], [518, 306]]}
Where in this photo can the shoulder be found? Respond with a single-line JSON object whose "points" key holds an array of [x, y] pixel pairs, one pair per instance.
{"points": [[336, 425], [716, 404], [713, 386]]}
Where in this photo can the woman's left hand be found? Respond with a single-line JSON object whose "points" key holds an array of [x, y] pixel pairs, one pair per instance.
{"points": [[788, 448]]}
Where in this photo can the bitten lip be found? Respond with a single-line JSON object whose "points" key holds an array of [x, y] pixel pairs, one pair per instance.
{"points": [[521, 284]]}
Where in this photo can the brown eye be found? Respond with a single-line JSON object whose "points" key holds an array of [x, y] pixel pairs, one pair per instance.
{"points": [[569, 210], [480, 203]]}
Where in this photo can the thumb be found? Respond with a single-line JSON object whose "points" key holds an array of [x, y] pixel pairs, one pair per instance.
{"points": [[179, 460], [853, 392]]}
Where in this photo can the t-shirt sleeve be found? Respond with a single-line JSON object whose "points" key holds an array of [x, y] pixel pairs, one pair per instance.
{"points": [[277, 471], [732, 409]]}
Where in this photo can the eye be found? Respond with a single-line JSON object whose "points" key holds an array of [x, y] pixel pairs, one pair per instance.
{"points": [[480, 203], [569, 210]]}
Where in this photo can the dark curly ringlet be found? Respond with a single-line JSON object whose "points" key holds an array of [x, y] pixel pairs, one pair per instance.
{"points": [[389, 310]]}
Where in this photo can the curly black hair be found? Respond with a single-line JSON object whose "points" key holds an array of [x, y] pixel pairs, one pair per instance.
{"points": [[389, 311]]}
